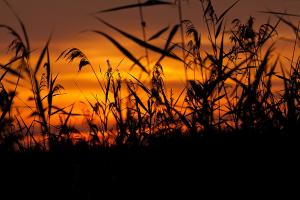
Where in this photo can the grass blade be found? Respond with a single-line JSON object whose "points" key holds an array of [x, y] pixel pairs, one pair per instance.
{"points": [[137, 5], [159, 33], [141, 42], [226, 11], [123, 50], [42, 55]]}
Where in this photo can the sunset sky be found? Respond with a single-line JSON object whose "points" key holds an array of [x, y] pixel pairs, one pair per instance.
{"points": [[66, 19]]}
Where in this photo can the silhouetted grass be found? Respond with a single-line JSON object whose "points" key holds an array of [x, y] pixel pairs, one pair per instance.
{"points": [[232, 114]]}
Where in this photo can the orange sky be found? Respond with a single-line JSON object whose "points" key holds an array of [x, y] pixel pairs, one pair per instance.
{"points": [[67, 18]]}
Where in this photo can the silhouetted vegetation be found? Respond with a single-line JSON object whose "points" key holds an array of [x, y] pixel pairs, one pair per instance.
{"points": [[229, 111]]}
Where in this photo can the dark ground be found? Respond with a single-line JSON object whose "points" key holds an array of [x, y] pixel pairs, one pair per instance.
{"points": [[258, 166]]}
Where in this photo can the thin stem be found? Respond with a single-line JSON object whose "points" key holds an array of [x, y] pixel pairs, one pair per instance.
{"points": [[143, 25], [294, 48], [182, 37]]}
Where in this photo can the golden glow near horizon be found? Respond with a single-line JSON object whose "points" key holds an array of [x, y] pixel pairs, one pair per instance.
{"points": [[67, 21]]}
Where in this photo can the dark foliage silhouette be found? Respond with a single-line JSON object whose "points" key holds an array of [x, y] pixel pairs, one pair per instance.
{"points": [[228, 119]]}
